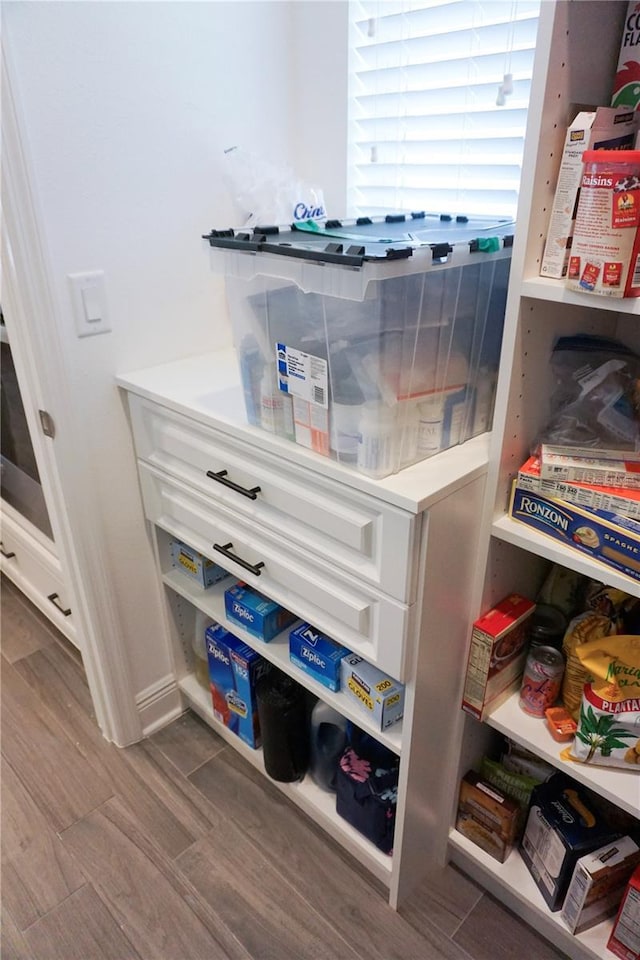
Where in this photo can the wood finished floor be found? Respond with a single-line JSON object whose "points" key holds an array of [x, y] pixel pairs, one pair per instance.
{"points": [[176, 849]]}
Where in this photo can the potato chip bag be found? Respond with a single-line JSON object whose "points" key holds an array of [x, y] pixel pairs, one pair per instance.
{"points": [[609, 722]]}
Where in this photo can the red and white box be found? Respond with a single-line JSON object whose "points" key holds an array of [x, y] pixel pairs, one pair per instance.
{"points": [[497, 655], [597, 470], [626, 503], [624, 941]]}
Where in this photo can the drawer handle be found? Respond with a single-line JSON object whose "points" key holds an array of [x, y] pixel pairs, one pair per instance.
{"points": [[54, 597], [221, 477], [225, 549], [4, 553]]}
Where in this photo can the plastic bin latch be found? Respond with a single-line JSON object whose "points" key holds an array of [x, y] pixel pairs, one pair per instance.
{"points": [[440, 251], [485, 245]]}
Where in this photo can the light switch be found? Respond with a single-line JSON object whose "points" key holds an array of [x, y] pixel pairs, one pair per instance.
{"points": [[89, 299]]}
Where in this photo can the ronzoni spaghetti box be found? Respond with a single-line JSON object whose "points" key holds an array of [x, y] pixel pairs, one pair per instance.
{"points": [[497, 654]]}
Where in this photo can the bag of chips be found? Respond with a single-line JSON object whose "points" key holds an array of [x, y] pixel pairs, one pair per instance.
{"points": [[609, 722]]}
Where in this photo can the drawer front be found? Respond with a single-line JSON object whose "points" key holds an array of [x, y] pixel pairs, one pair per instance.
{"points": [[36, 571], [335, 525], [364, 620]]}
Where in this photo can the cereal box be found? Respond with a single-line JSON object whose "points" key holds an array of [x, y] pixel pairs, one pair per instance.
{"points": [[487, 817], [598, 882], [496, 655], [626, 83], [604, 128], [624, 941]]}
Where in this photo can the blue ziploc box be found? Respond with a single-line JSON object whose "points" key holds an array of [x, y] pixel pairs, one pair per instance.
{"points": [[234, 669], [317, 654], [195, 565], [261, 617]]}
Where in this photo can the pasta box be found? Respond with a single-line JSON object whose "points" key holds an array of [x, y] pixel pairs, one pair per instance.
{"points": [[608, 537], [497, 654]]}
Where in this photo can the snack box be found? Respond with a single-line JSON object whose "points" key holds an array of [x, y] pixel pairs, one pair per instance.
{"points": [[259, 616], [605, 536], [380, 695], [605, 128], [561, 827], [487, 817], [593, 496], [234, 669], [624, 941], [195, 565], [598, 882], [497, 654], [317, 654]]}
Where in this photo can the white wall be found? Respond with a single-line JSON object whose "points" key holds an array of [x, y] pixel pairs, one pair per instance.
{"points": [[125, 109]]}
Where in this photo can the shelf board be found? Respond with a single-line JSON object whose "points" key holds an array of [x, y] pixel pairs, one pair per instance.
{"points": [[542, 288], [211, 602], [621, 787], [512, 884], [319, 804], [529, 539]]}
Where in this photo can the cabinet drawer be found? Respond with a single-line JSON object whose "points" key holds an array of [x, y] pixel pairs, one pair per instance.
{"points": [[334, 524], [364, 620], [36, 571]]}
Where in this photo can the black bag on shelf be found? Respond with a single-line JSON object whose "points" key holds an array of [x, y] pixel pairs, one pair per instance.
{"points": [[284, 726], [367, 793]]}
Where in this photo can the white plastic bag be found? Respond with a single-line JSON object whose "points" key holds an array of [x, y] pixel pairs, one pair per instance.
{"points": [[268, 194]]}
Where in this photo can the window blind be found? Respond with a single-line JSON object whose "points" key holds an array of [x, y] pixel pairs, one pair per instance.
{"points": [[438, 97]]}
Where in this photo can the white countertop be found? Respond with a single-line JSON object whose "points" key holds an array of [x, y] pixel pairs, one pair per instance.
{"points": [[208, 389]]}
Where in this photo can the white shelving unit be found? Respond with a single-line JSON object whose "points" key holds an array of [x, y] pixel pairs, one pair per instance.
{"points": [[576, 55]]}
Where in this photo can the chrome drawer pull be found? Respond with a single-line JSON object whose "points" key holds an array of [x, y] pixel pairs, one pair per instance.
{"points": [[221, 475], [225, 549], [4, 553], [53, 597]]}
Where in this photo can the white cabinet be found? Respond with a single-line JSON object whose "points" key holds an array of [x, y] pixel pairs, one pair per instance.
{"points": [[576, 56], [384, 567]]}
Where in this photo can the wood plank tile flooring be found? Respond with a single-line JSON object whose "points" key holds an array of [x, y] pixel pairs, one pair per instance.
{"points": [[176, 849]]}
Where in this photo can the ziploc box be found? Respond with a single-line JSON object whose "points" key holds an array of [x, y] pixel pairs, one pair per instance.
{"points": [[598, 882], [316, 654], [195, 565], [379, 695], [496, 655], [562, 826], [256, 613], [605, 536], [234, 669], [624, 941], [605, 128]]}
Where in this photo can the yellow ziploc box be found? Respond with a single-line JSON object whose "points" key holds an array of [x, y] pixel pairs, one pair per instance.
{"points": [[379, 695]]}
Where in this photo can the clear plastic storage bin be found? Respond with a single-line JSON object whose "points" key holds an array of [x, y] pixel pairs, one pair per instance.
{"points": [[375, 343]]}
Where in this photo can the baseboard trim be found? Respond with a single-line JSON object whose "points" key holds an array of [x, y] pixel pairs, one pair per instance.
{"points": [[159, 704]]}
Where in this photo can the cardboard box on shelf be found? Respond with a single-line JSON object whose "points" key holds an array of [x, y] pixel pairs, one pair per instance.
{"points": [[624, 941], [598, 882], [605, 128], [379, 695], [487, 817], [195, 565], [497, 654]]}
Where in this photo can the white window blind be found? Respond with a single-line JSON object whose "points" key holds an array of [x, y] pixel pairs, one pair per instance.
{"points": [[438, 97]]}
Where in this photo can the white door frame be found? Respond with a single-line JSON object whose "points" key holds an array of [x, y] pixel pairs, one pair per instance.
{"points": [[33, 322]]}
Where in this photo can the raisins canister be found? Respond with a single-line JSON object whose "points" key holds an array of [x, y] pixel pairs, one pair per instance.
{"points": [[541, 680]]}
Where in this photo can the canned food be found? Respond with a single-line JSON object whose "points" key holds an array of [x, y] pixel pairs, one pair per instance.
{"points": [[542, 680]]}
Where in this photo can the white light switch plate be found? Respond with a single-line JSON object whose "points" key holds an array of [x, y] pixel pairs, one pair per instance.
{"points": [[89, 299]]}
